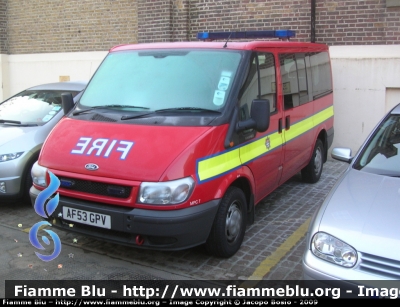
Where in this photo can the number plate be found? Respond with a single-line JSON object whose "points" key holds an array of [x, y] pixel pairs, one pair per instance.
{"points": [[87, 217]]}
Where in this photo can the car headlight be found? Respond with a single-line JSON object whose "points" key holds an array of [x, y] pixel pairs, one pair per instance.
{"points": [[10, 156], [333, 250], [39, 174], [166, 193]]}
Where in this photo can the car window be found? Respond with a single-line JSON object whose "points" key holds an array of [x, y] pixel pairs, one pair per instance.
{"points": [[32, 106], [381, 154]]}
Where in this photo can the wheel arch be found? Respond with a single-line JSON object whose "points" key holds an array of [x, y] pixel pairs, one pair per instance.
{"points": [[245, 185], [322, 135]]}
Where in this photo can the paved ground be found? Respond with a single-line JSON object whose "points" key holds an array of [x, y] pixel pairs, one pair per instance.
{"points": [[272, 248]]}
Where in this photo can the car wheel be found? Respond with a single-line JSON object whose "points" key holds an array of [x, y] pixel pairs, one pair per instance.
{"points": [[229, 226], [312, 172]]}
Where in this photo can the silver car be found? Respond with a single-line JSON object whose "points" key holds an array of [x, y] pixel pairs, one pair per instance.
{"points": [[355, 234], [25, 121]]}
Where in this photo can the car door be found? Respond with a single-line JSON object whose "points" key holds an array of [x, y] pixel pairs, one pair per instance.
{"points": [[261, 151], [297, 127]]}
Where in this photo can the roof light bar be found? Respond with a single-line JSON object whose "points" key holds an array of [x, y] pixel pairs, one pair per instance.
{"points": [[246, 34]]}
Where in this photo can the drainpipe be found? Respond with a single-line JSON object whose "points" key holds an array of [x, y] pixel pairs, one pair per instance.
{"points": [[313, 20]]}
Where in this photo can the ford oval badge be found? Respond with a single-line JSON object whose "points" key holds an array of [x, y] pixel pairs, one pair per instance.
{"points": [[91, 167]]}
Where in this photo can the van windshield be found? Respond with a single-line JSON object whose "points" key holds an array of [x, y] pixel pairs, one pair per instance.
{"points": [[163, 79]]}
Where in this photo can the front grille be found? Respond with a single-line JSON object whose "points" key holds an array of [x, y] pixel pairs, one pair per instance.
{"points": [[380, 266], [97, 188]]}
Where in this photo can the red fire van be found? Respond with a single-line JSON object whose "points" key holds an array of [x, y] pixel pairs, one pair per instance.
{"points": [[172, 145]]}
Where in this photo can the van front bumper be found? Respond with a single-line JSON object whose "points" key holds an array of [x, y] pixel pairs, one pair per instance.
{"points": [[152, 229]]}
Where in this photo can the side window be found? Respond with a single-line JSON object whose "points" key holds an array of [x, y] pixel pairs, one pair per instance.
{"points": [[302, 77], [294, 79], [320, 74], [260, 83], [266, 64]]}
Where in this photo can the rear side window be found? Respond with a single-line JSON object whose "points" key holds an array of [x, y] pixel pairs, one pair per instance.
{"points": [[305, 77], [294, 79], [321, 74]]}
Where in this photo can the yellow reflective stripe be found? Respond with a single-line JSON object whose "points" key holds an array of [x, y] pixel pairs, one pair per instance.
{"points": [[217, 165], [307, 124], [259, 147], [298, 129], [323, 116], [226, 161]]}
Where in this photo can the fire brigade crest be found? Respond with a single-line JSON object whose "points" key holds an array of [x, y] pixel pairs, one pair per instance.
{"points": [[267, 143]]}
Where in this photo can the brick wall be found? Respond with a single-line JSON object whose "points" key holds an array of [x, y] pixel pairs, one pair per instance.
{"points": [[357, 23], [3, 26], [36, 26], [336, 22], [154, 20]]}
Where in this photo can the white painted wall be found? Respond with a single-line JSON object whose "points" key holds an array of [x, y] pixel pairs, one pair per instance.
{"points": [[366, 82], [26, 70]]}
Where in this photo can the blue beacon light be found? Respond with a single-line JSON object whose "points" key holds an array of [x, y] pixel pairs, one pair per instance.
{"points": [[282, 34]]}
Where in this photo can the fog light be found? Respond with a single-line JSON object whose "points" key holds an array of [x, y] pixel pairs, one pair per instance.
{"points": [[2, 187]]}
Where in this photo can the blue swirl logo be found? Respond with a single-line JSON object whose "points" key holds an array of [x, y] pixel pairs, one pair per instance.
{"points": [[45, 210]]}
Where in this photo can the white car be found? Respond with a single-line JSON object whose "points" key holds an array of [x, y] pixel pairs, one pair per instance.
{"points": [[25, 121]]}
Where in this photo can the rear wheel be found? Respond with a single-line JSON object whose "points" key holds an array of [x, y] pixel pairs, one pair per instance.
{"points": [[229, 226], [312, 172]]}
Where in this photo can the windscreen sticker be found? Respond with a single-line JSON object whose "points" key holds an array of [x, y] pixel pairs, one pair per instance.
{"points": [[224, 83], [56, 108], [47, 118], [226, 74], [219, 97], [52, 112]]}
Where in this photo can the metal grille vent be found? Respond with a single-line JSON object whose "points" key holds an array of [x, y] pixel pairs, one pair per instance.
{"points": [[97, 188], [102, 118], [380, 266]]}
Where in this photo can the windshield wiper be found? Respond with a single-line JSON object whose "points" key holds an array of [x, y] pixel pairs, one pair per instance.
{"points": [[2, 121], [125, 117], [16, 122], [168, 110], [188, 109], [108, 106]]}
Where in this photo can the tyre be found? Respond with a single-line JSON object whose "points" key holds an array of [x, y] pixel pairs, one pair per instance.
{"points": [[229, 226], [312, 172]]}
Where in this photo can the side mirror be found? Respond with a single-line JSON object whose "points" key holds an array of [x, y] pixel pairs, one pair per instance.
{"points": [[259, 117], [67, 102], [342, 154]]}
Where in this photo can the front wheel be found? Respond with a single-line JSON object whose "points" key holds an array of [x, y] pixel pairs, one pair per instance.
{"points": [[229, 226], [312, 172]]}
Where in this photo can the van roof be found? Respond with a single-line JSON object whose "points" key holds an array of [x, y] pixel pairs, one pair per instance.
{"points": [[231, 45]]}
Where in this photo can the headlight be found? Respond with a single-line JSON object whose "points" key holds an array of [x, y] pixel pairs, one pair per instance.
{"points": [[10, 156], [39, 174], [166, 193], [333, 250]]}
